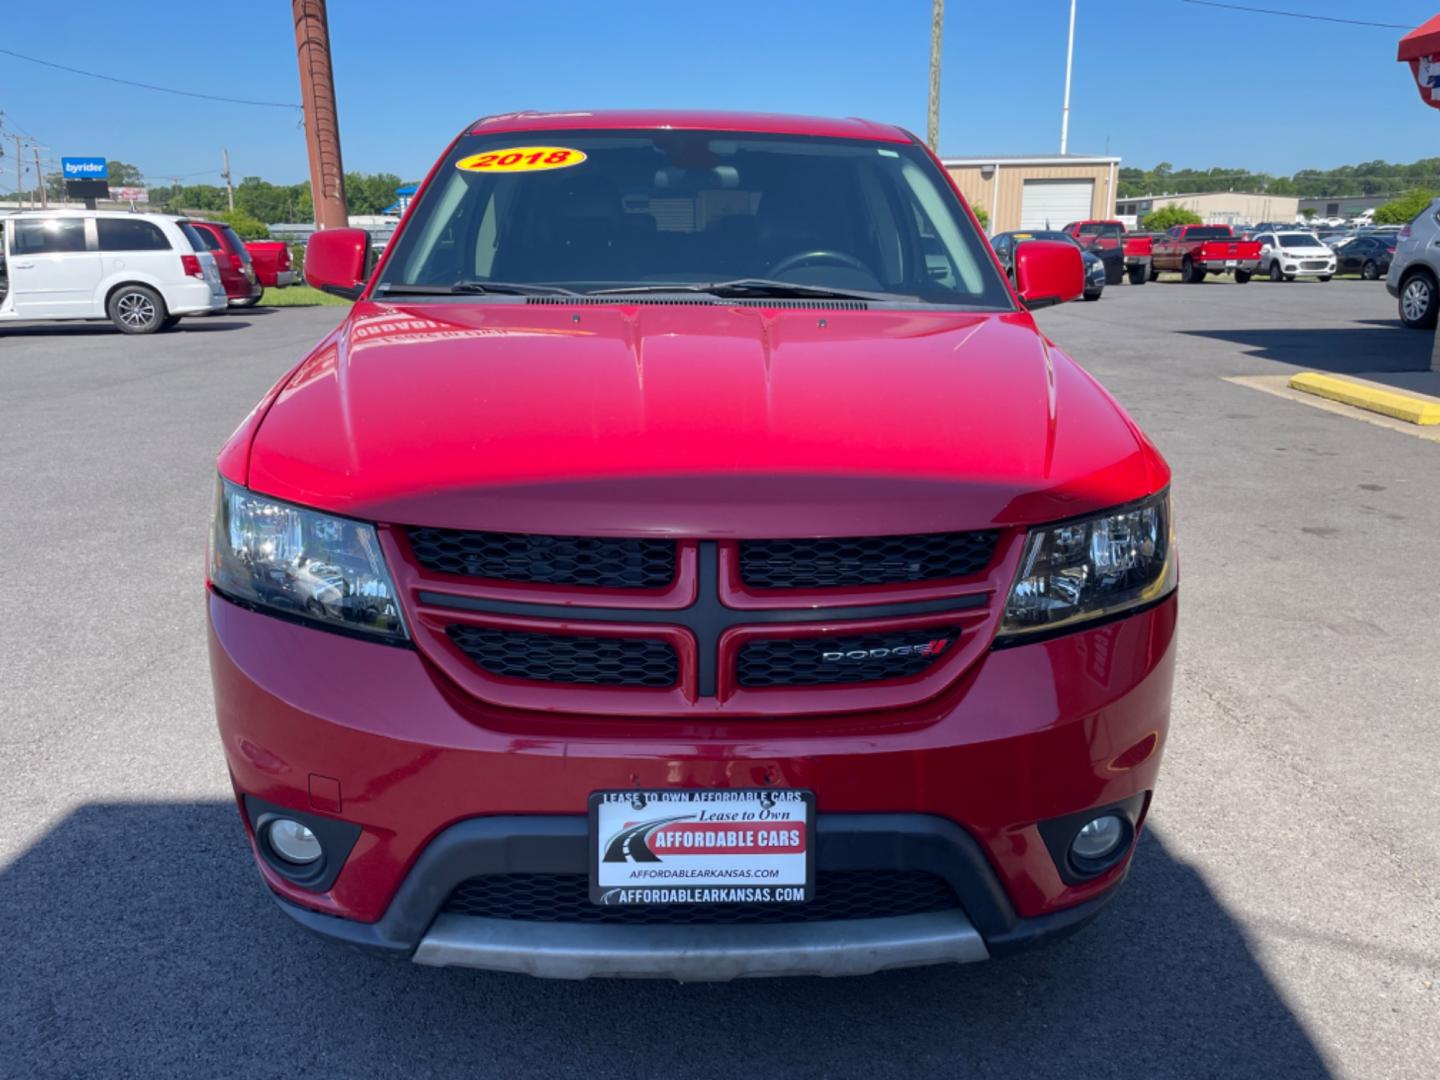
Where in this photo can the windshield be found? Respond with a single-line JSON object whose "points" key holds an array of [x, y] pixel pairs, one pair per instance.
{"points": [[1300, 240], [600, 210]]}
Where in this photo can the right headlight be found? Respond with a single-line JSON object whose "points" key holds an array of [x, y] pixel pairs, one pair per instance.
{"points": [[309, 565], [1093, 566]]}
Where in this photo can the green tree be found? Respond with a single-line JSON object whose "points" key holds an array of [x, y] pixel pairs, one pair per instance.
{"points": [[370, 193], [247, 227], [1308, 213], [982, 217], [274, 203], [123, 174], [1404, 209], [1168, 216]]}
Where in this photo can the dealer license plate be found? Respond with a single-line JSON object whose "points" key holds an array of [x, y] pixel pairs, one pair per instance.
{"points": [[1230, 264], [702, 846]]}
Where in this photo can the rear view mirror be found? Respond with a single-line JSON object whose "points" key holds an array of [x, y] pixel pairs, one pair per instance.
{"points": [[1048, 272], [336, 261]]}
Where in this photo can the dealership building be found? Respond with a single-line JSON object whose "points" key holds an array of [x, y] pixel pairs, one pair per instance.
{"points": [[1218, 207], [1038, 191]]}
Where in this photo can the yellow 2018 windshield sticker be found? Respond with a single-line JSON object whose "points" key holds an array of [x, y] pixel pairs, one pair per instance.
{"points": [[522, 159]]}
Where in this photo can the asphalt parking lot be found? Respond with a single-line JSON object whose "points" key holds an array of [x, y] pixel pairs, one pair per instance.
{"points": [[1283, 918]]}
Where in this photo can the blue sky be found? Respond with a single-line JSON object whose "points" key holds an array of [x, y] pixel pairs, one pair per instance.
{"points": [[1154, 79]]}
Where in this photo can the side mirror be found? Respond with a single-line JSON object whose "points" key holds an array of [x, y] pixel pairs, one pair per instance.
{"points": [[336, 261], [1048, 272]]}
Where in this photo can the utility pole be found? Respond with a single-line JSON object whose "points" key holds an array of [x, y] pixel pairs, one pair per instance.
{"points": [[937, 31], [229, 187], [322, 123], [40, 178], [1069, 60], [19, 202]]}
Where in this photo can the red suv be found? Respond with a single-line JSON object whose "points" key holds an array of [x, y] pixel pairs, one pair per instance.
{"points": [[237, 273], [688, 558]]}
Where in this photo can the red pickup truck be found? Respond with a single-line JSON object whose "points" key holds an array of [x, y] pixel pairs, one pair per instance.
{"points": [[1123, 256], [272, 263], [1197, 250]]}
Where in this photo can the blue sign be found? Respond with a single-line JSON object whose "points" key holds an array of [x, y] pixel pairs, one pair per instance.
{"points": [[84, 168]]}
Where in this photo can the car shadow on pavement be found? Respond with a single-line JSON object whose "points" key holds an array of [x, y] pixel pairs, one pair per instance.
{"points": [[1373, 352], [206, 325], [138, 940]]}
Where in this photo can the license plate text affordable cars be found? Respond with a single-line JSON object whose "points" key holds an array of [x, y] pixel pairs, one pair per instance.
{"points": [[701, 847]]}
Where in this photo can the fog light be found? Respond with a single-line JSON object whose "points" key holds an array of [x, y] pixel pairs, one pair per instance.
{"points": [[295, 843], [1098, 839]]}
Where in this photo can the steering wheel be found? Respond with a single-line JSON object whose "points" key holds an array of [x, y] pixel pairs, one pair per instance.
{"points": [[800, 258]]}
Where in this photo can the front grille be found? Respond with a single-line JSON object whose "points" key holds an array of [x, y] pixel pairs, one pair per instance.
{"points": [[561, 658], [863, 560], [589, 561], [1313, 264], [828, 660], [839, 895]]}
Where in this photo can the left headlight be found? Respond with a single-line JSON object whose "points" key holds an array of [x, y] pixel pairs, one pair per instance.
{"points": [[310, 565], [1093, 566]]}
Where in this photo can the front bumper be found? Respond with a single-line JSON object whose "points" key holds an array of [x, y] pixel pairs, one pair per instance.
{"points": [[284, 278], [1303, 268], [375, 736], [981, 925]]}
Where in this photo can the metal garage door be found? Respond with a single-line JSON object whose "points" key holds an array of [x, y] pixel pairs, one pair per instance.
{"points": [[1051, 204]]}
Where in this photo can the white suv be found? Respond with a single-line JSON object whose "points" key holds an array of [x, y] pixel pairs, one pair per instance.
{"points": [[140, 271], [1288, 255]]}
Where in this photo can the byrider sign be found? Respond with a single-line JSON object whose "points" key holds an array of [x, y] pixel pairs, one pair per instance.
{"points": [[85, 168], [86, 178]]}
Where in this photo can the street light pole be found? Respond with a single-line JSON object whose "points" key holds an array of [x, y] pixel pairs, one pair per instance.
{"points": [[1069, 61]]}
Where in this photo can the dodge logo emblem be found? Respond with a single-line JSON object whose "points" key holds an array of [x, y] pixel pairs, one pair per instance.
{"points": [[925, 648]]}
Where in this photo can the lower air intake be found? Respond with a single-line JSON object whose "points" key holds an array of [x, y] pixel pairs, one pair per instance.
{"points": [[839, 895]]}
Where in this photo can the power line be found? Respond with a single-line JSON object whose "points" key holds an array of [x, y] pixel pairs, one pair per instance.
{"points": [[149, 86], [1297, 15]]}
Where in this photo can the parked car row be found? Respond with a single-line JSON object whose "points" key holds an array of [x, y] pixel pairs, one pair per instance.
{"points": [[143, 272]]}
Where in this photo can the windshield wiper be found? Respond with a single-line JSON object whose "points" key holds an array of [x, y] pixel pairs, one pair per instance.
{"points": [[740, 287], [499, 288]]}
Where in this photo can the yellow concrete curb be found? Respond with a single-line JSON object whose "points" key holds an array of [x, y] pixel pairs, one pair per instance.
{"points": [[1412, 408]]}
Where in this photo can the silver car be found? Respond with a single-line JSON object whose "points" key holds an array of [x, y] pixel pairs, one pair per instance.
{"points": [[1415, 269]]}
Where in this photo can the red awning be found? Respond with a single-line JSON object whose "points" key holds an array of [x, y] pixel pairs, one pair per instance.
{"points": [[1424, 40]]}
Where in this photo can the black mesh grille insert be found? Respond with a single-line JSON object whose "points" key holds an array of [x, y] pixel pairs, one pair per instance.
{"points": [[559, 658], [595, 561], [863, 560], [839, 894], [821, 661]]}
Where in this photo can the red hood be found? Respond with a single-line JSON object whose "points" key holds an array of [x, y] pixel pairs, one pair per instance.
{"points": [[697, 420]]}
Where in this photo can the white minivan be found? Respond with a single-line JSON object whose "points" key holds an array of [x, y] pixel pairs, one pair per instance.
{"points": [[140, 271]]}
